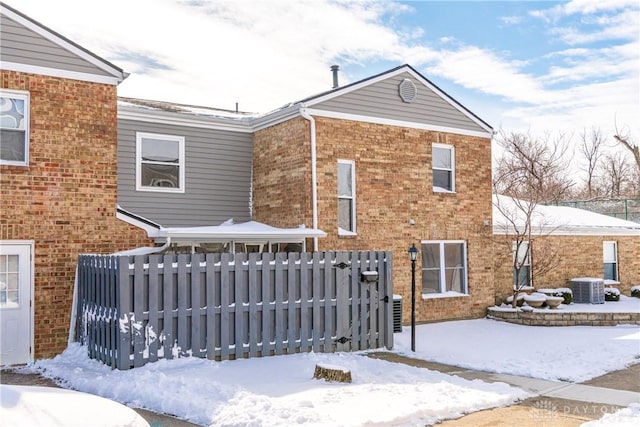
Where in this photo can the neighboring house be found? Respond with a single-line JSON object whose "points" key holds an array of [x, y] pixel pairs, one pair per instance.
{"points": [[58, 180], [575, 243]]}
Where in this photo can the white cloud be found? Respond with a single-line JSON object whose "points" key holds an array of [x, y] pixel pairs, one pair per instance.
{"points": [[263, 54], [595, 64], [482, 70], [510, 20], [583, 7], [623, 26]]}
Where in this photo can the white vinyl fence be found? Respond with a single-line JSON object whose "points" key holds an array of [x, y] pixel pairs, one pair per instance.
{"points": [[137, 309]]}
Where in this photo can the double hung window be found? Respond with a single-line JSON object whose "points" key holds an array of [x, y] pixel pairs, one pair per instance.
{"points": [[521, 260], [610, 258], [443, 165], [346, 197], [14, 127], [160, 162]]}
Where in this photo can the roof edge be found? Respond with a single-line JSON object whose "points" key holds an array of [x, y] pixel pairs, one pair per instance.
{"points": [[63, 42]]}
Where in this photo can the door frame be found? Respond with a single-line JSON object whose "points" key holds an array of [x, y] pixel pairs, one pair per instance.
{"points": [[31, 246]]}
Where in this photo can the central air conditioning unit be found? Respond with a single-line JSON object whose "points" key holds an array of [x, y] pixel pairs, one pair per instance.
{"points": [[397, 313], [587, 290]]}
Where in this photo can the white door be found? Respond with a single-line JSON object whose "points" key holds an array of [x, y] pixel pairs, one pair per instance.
{"points": [[15, 303]]}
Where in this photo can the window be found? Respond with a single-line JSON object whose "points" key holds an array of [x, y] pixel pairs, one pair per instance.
{"points": [[14, 128], [160, 163], [610, 258], [9, 281], [443, 168], [523, 260], [346, 197], [444, 267]]}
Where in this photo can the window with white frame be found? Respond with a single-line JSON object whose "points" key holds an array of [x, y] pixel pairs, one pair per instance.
{"points": [[444, 267], [521, 259], [346, 197], [159, 162], [14, 127], [443, 165], [610, 258]]}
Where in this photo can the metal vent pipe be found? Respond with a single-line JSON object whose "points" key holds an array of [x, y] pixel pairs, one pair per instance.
{"points": [[334, 70]]}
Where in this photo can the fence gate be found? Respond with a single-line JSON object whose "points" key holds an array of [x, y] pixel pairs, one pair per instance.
{"points": [[137, 309]]}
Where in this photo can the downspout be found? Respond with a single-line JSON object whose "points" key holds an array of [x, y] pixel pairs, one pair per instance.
{"points": [[314, 184]]}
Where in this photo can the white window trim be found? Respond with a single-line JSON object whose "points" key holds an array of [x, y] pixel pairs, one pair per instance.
{"points": [[181, 162], [452, 149], [526, 262], [615, 253], [24, 95], [442, 269], [353, 232]]}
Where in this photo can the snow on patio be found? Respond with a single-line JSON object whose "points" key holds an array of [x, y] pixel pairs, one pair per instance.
{"points": [[281, 391]]}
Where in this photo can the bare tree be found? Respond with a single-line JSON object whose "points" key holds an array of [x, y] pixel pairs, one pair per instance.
{"points": [[532, 169], [625, 139], [591, 147], [530, 172], [617, 174]]}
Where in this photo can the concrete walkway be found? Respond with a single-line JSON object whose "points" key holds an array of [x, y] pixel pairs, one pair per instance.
{"points": [[556, 403]]}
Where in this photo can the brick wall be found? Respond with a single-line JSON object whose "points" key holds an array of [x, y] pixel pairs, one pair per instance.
{"points": [[393, 185], [578, 256], [65, 199], [282, 175]]}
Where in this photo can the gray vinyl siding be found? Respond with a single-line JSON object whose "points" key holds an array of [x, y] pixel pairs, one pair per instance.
{"points": [[217, 176], [24, 46], [382, 100]]}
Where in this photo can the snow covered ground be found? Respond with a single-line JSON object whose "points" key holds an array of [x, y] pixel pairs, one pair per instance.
{"points": [[281, 391]]}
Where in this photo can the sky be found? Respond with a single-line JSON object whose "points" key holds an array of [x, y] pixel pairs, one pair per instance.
{"points": [[530, 66], [280, 390]]}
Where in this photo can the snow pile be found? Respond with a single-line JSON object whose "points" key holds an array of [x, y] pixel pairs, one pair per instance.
{"points": [[627, 417], [280, 390]]}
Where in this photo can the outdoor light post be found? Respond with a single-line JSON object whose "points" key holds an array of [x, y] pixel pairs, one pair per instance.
{"points": [[413, 255]]}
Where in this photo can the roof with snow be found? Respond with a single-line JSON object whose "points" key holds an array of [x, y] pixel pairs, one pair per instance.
{"points": [[557, 220], [246, 232]]}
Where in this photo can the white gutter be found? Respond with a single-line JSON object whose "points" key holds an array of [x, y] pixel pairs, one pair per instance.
{"points": [[314, 185]]}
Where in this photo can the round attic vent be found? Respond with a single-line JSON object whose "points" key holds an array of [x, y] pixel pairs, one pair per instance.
{"points": [[407, 90]]}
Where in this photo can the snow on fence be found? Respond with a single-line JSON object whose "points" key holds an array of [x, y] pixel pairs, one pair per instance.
{"points": [[132, 310]]}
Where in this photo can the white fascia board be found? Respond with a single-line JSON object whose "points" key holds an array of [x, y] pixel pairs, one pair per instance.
{"points": [[118, 74], [56, 72], [152, 232], [392, 122], [418, 77], [149, 116], [573, 231]]}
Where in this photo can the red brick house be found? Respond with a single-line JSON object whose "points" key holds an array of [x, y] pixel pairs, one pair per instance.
{"points": [[58, 175], [382, 164], [379, 164]]}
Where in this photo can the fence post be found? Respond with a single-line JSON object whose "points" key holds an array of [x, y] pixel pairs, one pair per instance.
{"points": [[388, 306], [626, 209], [123, 308], [343, 306]]}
